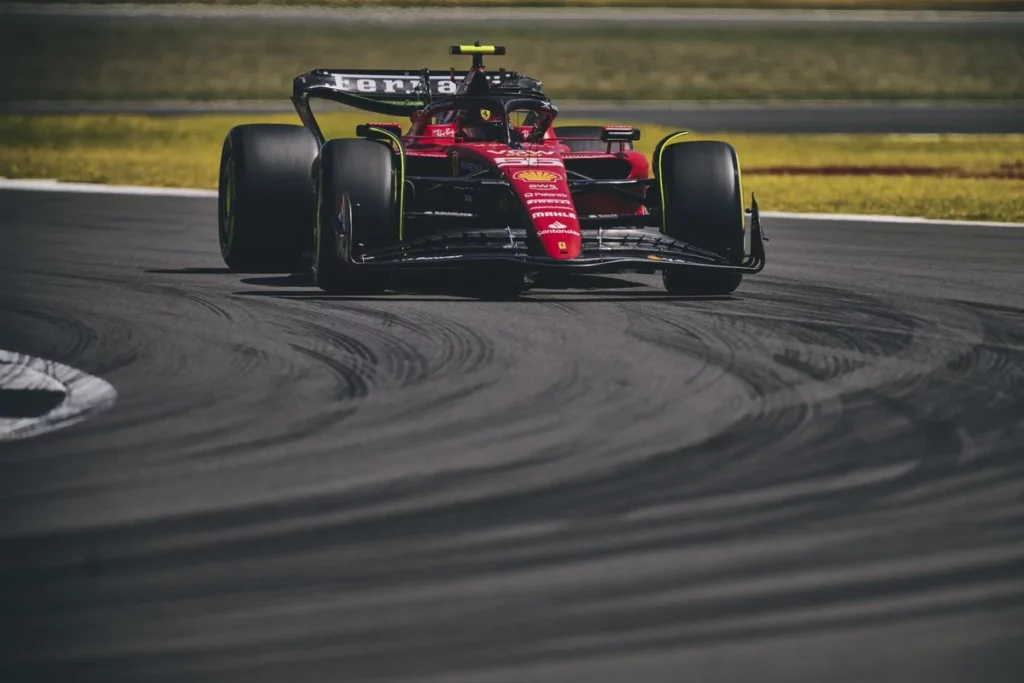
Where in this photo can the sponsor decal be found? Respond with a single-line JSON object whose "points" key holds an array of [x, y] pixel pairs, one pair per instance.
{"points": [[557, 225], [533, 163], [591, 155], [559, 231], [443, 132], [535, 154], [566, 202], [398, 83], [537, 177], [562, 246], [530, 195], [553, 214]]}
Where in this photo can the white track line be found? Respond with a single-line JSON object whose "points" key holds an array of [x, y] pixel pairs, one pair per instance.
{"points": [[875, 218], [96, 188], [93, 188], [84, 395]]}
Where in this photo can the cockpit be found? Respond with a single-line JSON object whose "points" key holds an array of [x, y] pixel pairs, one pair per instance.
{"points": [[485, 119]]}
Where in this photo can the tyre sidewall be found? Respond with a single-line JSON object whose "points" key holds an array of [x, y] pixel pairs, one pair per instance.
{"points": [[265, 180], [356, 211], [702, 200]]}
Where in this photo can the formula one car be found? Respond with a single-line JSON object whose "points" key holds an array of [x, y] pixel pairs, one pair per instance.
{"points": [[482, 181]]}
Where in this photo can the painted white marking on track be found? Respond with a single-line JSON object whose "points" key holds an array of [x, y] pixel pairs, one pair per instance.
{"points": [[186, 192], [46, 185], [84, 394], [875, 218]]}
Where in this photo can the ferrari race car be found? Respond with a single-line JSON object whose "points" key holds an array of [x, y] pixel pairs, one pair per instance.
{"points": [[482, 181]]}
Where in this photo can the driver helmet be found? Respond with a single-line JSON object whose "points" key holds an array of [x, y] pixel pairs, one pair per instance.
{"points": [[481, 125]]}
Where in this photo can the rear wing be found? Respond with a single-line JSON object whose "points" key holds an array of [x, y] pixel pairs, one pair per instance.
{"points": [[398, 93], [392, 92]]}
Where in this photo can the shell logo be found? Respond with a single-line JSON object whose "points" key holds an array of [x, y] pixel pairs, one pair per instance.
{"points": [[536, 176]]}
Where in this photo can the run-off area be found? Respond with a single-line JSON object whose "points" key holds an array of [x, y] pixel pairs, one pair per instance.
{"points": [[38, 396]]}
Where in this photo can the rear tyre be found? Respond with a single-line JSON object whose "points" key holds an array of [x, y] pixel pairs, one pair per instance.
{"points": [[703, 206], [595, 145], [264, 196], [355, 200]]}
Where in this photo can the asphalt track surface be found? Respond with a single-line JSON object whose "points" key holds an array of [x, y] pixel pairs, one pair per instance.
{"points": [[804, 117], [817, 479]]}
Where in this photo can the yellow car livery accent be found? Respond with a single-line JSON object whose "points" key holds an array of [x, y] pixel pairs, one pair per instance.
{"points": [[476, 49]]}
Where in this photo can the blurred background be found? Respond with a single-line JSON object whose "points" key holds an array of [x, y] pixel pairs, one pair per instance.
{"points": [[888, 71]]}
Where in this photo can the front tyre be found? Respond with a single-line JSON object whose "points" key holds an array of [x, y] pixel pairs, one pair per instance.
{"points": [[264, 197], [355, 211], [702, 205]]}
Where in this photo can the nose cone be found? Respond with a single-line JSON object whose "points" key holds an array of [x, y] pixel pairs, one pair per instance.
{"points": [[544, 192]]}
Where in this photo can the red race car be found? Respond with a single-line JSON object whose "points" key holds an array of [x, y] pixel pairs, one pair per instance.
{"points": [[482, 181]]}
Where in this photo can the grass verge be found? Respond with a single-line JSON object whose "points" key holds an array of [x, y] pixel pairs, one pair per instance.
{"points": [[977, 5], [977, 177], [59, 59]]}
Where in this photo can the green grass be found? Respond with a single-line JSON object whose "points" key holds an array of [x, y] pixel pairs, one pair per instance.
{"points": [[100, 60], [184, 152]]}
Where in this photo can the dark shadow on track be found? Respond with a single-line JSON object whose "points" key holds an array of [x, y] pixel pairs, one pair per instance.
{"points": [[292, 280], [444, 286], [575, 297], [22, 403], [192, 271]]}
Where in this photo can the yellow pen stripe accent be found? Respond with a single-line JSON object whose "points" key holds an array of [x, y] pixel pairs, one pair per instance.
{"points": [[400, 186], [661, 177]]}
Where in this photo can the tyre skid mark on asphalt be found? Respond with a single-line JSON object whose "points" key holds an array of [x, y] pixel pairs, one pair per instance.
{"points": [[455, 348], [674, 525]]}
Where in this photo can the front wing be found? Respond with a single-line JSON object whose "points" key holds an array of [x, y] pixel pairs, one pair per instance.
{"points": [[621, 249]]}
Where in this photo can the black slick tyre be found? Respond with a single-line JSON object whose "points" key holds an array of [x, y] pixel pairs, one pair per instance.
{"points": [[264, 207], [355, 211], [594, 145], [702, 205]]}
